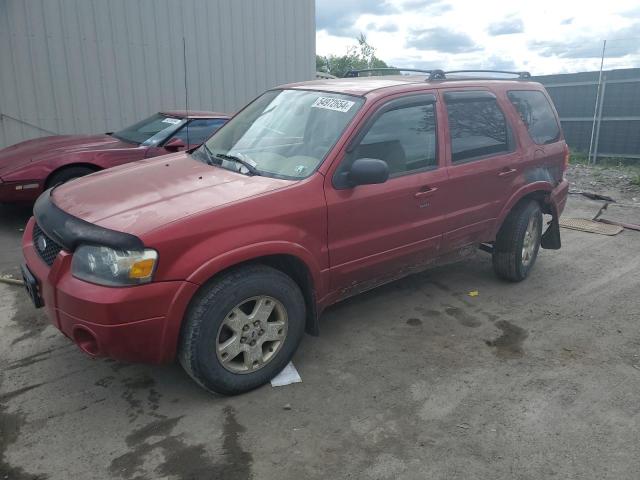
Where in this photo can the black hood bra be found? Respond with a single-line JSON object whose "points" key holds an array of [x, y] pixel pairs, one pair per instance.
{"points": [[70, 232]]}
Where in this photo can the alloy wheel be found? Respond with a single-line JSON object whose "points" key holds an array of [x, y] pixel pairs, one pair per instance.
{"points": [[251, 334]]}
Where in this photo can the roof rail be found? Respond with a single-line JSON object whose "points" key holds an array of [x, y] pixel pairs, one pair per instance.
{"points": [[442, 75], [356, 73]]}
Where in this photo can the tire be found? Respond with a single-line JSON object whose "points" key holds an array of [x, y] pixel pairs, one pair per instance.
{"points": [[227, 300], [516, 247], [67, 174]]}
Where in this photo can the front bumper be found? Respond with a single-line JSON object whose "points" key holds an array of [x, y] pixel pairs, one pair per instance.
{"points": [[135, 324], [20, 192]]}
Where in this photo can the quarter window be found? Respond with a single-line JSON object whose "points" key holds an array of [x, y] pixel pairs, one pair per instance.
{"points": [[405, 138], [537, 115], [477, 128]]}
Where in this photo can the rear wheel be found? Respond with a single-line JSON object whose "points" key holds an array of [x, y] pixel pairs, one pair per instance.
{"points": [[242, 329], [67, 174], [518, 241]]}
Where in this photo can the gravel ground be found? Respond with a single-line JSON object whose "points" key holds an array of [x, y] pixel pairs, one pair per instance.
{"points": [[624, 182], [413, 380]]}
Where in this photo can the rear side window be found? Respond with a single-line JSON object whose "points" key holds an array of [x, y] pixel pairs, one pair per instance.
{"points": [[477, 128], [537, 115]]}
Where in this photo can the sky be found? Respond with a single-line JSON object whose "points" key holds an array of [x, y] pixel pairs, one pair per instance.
{"points": [[541, 36]]}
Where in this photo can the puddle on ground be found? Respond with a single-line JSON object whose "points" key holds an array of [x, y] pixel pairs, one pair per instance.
{"points": [[463, 317], [509, 344], [181, 459], [30, 321], [10, 425]]}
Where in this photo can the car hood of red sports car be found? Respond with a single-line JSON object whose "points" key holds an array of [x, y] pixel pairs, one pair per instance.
{"points": [[45, 149]]}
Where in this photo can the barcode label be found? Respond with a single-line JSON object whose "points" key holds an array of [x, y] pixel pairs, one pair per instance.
{"points": [[333, 104]]}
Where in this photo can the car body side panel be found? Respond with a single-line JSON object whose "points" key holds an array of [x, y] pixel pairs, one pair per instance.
{"points": [[290, 221], [478, 188], [556, 194], [378, 231]]}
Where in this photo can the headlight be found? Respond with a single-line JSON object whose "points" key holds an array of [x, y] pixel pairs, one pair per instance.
{"points": [[113, 268]]}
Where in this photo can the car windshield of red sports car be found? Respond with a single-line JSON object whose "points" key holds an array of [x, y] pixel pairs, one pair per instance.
{"points": [[283, 133], [150, 131]]}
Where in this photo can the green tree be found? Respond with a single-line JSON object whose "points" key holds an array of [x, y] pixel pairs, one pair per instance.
{"points": [[360, 56]]}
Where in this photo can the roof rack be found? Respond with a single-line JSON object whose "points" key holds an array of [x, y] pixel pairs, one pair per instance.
{"points": [[442, 75], [356, 73]]}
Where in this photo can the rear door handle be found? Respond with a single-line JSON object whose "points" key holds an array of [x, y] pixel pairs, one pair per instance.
{"points": [[425, 192], [506, 172]]}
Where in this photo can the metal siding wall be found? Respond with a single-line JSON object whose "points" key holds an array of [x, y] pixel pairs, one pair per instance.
{"points": [[574, 95], [87, 66]]}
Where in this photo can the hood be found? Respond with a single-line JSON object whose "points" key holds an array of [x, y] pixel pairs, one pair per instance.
{"points": [[141, 196], [41, 149]]}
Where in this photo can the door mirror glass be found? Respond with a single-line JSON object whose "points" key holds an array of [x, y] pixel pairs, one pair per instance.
{"points": [[368, 171], [175, 144]]}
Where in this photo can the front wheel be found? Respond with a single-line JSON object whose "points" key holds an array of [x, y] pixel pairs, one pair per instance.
{"points": [[67, 174], [242, 329], [518, 241]]}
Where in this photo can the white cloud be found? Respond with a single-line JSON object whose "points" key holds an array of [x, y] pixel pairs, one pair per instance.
{"points": [[544, 37]]}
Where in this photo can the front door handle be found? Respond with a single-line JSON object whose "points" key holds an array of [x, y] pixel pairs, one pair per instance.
{"points": [[425, 192], [506, 172]]}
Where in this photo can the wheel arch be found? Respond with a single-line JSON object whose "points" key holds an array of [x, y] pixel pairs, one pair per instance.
{"points": [[66, 166], [300, 271], [538, 191]]}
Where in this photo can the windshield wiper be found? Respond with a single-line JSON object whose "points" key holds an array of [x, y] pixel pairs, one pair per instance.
{"points": [[252, 169], [208, 154], [212, 156]]}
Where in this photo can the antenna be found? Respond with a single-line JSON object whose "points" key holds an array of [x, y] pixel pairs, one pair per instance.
{"points": [[186, 88]]}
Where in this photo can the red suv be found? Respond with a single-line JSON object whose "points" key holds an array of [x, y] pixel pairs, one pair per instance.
{"points": [[315, 191]]}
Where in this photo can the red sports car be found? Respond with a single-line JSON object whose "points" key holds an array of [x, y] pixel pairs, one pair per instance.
{"points": [[28, 168]]}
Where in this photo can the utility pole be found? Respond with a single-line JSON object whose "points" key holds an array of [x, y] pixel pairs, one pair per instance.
{"points": [[593, 147]]}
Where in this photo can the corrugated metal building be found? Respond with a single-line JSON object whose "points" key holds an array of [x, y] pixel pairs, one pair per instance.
{"points": [[90, 66]]}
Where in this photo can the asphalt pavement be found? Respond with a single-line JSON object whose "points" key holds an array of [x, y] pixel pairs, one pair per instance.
{"points": [[413, 380]]}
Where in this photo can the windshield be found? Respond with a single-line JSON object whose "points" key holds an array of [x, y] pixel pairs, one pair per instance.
{"points": [[283, 133], [150, 131]]}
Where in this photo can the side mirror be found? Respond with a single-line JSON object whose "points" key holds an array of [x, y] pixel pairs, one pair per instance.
{"points": [[367, 171], [174, 145]]}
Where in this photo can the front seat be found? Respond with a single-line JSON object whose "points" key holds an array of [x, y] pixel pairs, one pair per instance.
{"points": [[390, 151]]}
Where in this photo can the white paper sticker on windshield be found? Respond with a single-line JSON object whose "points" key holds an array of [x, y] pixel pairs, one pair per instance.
{"points": [[333, 104], [172, 121]]}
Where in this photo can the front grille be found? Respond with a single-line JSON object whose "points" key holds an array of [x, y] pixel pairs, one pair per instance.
{"points": [[46, 248]]}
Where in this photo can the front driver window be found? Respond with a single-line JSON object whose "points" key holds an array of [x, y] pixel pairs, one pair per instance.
{"points": [[405, 138]]}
